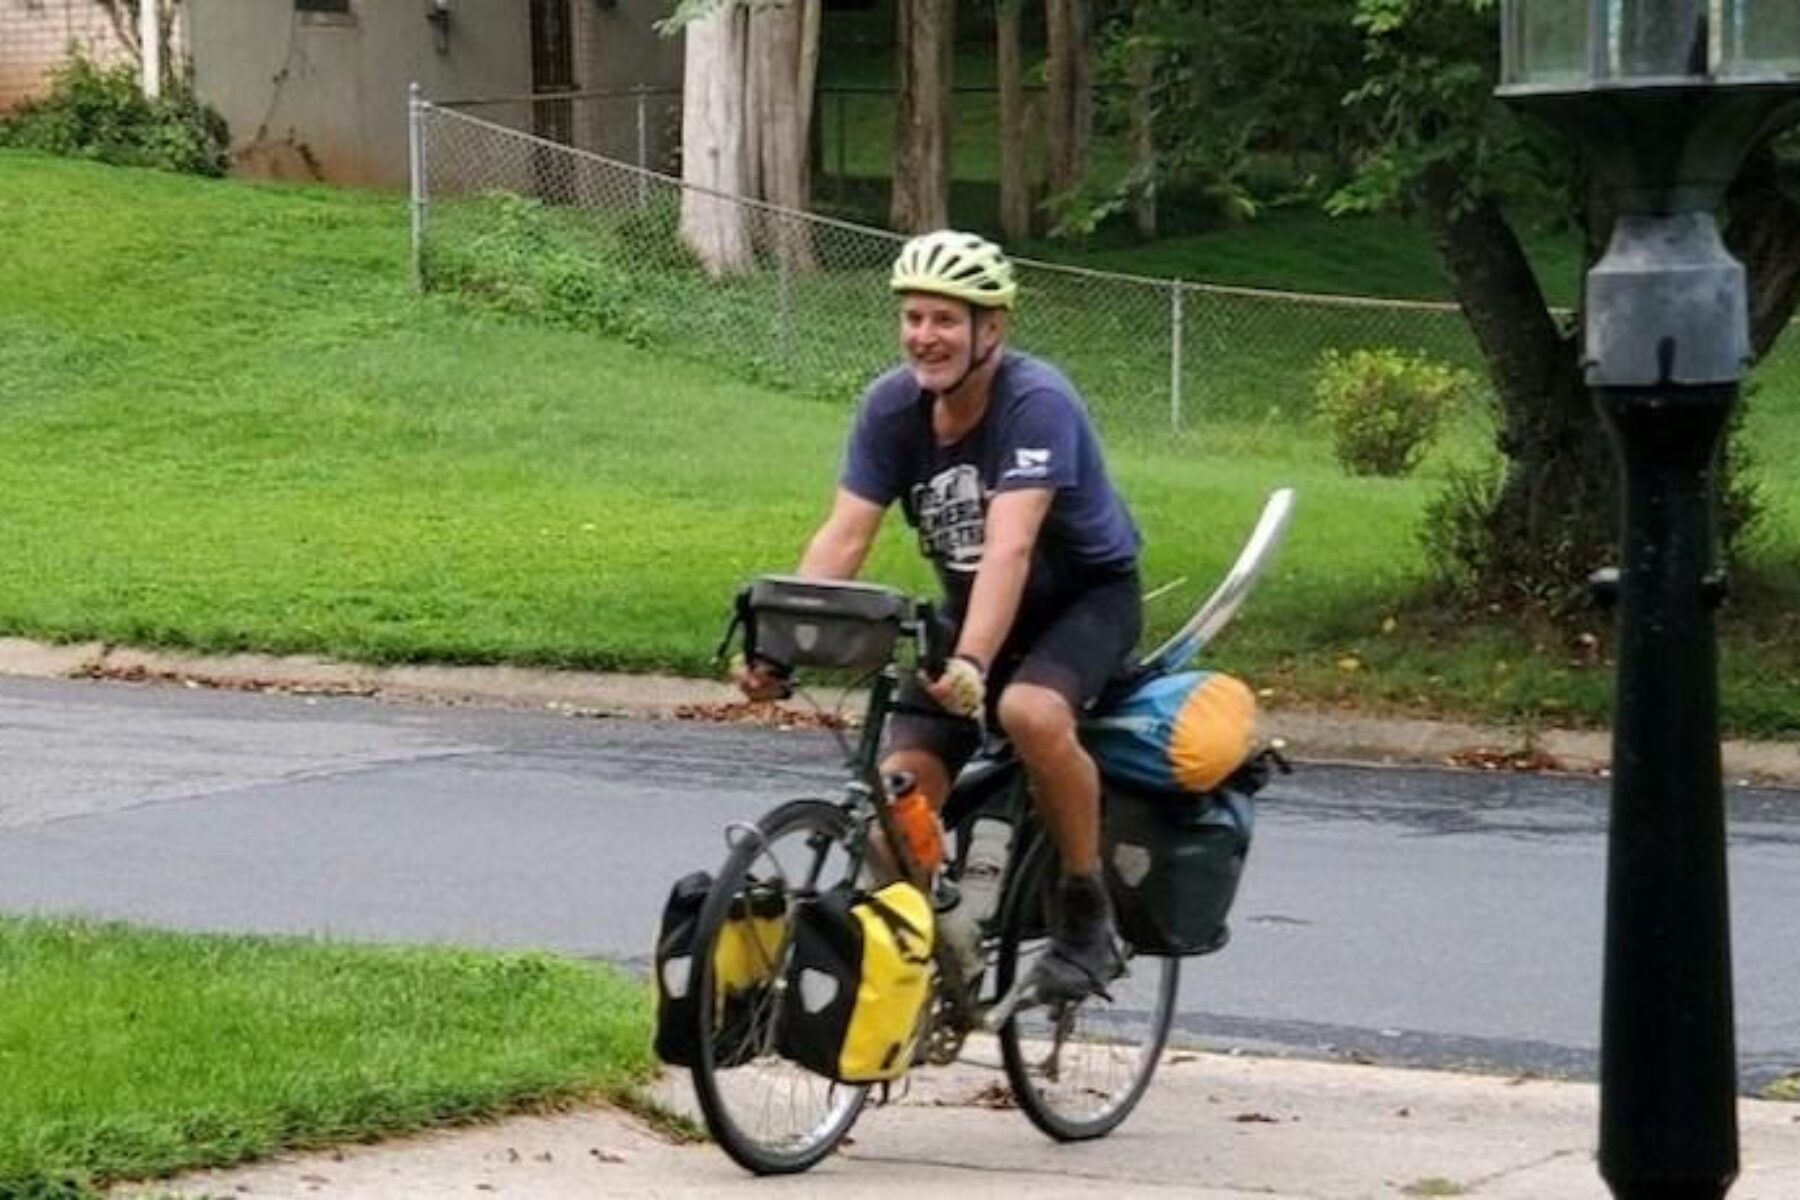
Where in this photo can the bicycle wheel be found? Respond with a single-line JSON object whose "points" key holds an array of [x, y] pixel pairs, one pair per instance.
{"points": [[1078, 1070], [768, 1114]]}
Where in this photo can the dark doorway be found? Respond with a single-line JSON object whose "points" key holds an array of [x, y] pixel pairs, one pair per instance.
{"points": [[552, 74]]}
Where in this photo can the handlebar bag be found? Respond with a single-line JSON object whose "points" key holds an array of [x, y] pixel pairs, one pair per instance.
{"points": [[745, 966], [821, 623], [1183, 732], [858, 982]]}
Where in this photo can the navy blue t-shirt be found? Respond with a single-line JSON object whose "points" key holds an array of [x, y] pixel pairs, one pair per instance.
{"points": [[1035, 434]]}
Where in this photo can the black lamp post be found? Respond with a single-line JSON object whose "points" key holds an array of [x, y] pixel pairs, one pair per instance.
{"points": [[1667, 97]]}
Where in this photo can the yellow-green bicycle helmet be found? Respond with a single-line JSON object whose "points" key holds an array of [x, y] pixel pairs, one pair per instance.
{"points": [[962, 266]]}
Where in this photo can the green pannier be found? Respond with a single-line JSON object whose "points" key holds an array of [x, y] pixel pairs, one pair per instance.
{"points": [[1173, 861]]}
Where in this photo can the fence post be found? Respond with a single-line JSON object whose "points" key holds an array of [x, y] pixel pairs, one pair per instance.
{"points": [[1175, 355], [415, 134]]}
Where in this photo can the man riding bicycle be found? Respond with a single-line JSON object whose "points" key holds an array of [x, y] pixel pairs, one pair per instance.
{"points": [[992, 458]]}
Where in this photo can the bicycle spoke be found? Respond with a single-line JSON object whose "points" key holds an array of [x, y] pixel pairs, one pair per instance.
{"points": [[767, 1113]]}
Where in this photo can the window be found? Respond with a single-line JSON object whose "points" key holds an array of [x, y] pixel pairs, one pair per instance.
{"points": [[325, 13]]}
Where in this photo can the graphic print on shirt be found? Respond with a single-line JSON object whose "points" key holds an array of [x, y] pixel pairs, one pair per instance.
{"points": [[951, 522]]}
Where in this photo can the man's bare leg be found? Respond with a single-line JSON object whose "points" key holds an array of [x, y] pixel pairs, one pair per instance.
{"points": [[1084, 954]]}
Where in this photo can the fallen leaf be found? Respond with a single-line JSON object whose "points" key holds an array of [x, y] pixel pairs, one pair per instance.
{"points": [[995, 1095], [766, 713]]}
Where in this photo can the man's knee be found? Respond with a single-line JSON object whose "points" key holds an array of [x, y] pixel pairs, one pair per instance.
{"points": [[1035, 717]]}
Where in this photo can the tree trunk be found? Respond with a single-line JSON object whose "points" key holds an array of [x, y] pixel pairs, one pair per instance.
{"points": [[1763, 231], [1554, 517], [921, 195], [713, 151], [1070, 77], [1015, 182], [783, 61], [1143, 120]]}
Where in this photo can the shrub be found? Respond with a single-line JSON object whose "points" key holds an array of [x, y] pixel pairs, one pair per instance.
{"points": [[537, 260], [1383, 407], [99, 113]]}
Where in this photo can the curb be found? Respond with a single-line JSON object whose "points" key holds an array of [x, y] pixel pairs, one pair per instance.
{"points": [[1312, 734]]}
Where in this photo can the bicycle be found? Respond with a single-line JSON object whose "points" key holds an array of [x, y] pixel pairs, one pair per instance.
{"points": [[1077, 1071]]}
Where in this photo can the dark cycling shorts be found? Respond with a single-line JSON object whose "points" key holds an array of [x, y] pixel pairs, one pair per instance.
{"points": [[1074, 649]]}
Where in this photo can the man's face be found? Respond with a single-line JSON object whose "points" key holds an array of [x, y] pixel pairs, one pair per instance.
{"points": [[939, 338]]}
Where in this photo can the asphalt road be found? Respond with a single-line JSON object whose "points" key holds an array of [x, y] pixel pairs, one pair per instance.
{"points": [[1406, 916]]}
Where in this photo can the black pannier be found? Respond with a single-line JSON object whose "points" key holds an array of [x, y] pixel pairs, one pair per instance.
{"points": [[796, 622], [1173, 862], [745, 965]]}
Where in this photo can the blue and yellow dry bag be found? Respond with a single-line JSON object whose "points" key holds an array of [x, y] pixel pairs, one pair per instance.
{"points": [[1185, 732]]}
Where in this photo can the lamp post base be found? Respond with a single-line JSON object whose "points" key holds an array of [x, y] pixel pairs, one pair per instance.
{"points": [[1668, 1073]]}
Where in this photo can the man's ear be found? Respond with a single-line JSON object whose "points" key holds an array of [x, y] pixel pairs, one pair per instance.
{"points": [[994, 328]]}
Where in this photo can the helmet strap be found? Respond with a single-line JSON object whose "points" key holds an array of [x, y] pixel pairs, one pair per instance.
{"points": [[976, 360]]}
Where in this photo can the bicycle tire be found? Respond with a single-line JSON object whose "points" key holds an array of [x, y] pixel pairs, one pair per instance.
{"points": [[738, 1077], [1082, 1082]]}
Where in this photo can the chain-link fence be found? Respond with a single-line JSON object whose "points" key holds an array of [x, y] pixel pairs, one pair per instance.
{"points": [[801, 300]]}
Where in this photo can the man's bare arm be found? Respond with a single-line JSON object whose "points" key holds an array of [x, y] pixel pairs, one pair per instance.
{"points": [[1013, 521], [842, 542]]}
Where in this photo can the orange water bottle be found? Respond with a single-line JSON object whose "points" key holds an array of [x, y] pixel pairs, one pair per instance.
{"points": [[917, 821]]}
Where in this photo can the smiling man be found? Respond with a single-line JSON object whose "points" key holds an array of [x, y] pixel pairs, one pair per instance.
{"points": [[991, 456]]}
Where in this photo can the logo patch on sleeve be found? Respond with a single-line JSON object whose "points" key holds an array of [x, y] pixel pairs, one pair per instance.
{"points": [[1029, 464]]}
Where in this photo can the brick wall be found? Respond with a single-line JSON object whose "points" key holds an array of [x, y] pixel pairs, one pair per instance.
{"points": [[35, 37]]}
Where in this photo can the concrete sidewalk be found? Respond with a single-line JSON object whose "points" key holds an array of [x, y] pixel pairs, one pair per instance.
{"points": [[1212, 1127], [1311, 733]]}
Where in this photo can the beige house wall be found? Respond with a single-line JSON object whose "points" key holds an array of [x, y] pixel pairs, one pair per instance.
{"points": [[36, 35], [324, 96]]}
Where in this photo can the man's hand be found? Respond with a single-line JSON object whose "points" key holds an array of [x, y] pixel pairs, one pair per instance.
{"points": [[761, 680], [961, 689]]}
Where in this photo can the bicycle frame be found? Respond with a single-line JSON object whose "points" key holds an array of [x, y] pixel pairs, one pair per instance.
{"points": [[867, 801]]}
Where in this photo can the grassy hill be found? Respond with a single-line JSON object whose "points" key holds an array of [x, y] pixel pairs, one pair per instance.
{"points": [[226, 422]]}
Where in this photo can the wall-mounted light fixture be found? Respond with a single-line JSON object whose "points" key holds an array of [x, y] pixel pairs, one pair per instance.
{"points": [[438, 13]]}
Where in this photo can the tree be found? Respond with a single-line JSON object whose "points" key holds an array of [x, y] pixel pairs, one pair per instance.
{"points": [[1015, 185], [783, 50], [1069, 93], [921, 189], [1208, 94], [1142, 52], [746, 124], [714, 156], [1448, 152]]}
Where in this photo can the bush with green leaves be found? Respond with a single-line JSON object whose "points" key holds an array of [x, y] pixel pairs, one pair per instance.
{"points": [[99, 113], [548, 262], [1383, 407]]}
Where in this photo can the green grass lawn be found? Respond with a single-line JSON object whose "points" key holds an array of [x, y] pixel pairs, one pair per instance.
{"points": [[226, 422], [127, 1054]]}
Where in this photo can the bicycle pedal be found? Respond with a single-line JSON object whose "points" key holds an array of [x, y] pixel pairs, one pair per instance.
{"points": [[1023, 994]]}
